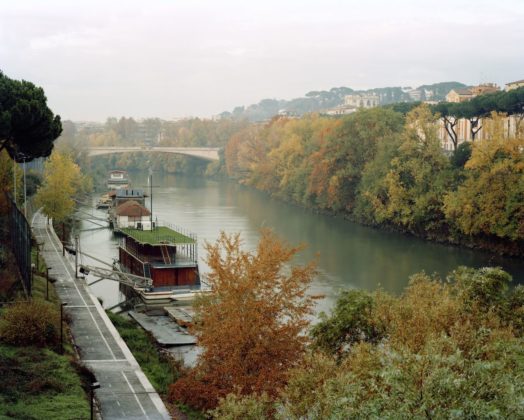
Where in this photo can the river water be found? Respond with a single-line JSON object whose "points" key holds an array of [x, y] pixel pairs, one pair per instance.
{"points": [[349, 255]]}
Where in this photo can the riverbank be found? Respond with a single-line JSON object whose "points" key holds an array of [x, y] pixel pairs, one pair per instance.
{"points": [[380, 169]]}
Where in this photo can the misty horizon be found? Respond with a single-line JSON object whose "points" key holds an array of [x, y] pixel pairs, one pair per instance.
{"points": [[174, 59]]}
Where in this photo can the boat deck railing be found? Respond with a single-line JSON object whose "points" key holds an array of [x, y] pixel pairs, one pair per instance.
{"points": [[178, 259]]}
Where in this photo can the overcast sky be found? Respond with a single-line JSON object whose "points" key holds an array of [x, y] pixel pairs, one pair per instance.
{"points": [[177, 58]]}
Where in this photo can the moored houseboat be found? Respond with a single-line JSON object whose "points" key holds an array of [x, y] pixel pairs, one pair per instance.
{"points": [[117, 179], [104, 202], [162, 253]]}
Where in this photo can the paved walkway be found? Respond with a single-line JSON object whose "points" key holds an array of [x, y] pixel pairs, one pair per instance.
{"points": [[125, 392]]}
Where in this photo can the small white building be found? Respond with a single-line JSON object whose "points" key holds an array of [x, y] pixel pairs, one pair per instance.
{"points": [[132, 214]]}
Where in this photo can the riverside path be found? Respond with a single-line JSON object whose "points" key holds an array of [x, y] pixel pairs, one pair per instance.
{"points": [[125, 392]]}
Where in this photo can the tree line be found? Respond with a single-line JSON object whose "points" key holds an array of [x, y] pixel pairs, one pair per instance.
{"points": [[481, 106], [381, 168]]}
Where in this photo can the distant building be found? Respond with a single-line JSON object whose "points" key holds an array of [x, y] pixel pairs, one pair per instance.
{"points": [[341, 110], [515, 85], [463, 95], [484, 88], [362, 100], [459, 95], [89, 126], [354, 102], [415, 94]]}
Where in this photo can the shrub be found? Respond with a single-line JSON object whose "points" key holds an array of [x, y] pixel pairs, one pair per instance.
{"points": [[250, 407], [30, 323]]}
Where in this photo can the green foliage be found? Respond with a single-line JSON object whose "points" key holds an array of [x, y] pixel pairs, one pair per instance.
{"points": [[250, 407], [461, 155], [349, 323], [510, 102], [27, 126], [448, 350], [412, 188], [39, 384], [30, 323]]}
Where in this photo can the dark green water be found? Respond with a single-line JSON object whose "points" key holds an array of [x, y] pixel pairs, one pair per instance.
{"points": [[349, 255]]}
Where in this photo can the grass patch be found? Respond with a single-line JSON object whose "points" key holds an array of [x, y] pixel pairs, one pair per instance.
{"points": [[158, 235], [37, 383], [160, 370]]}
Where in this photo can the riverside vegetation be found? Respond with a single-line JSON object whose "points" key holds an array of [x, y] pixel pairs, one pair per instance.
{"points": [[380, 168], [445, 348]]}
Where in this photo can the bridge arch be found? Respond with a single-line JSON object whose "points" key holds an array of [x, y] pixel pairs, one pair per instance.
{"points": [[205, 153]]}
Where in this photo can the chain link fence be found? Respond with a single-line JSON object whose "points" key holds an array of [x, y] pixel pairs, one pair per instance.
{"points": [[21, 242]]}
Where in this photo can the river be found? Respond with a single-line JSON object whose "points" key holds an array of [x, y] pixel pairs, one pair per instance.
{"points": [[349, 255]]}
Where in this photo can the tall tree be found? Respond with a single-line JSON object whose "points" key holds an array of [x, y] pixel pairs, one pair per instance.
{"points": [[62, 179], [27, 126], [448, 113], [251, 325], [412, 189]]}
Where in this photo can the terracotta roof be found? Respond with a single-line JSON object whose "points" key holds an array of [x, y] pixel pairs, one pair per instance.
{"points": [[132, 208]]}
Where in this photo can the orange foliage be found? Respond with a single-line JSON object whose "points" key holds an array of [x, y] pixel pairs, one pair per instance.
{"points": [[251, 327]]}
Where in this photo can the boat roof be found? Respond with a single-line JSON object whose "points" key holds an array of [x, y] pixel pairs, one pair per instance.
{"points": [[160, 235], [127, 193], [132, 208]]}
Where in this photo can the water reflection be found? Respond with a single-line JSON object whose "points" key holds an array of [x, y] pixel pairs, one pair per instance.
{"points": [[350, 255]]}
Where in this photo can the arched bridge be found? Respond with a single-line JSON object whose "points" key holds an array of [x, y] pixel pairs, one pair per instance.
{"points": [[206, 153]]}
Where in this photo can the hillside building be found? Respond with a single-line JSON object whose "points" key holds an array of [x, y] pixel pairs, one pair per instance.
{"points": [[515, 85], [463, 95], [362, 100]]}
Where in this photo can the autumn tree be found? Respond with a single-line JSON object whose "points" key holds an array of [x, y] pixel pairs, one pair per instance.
{"points": [[251, 326], [62, 181], [349, 146]]}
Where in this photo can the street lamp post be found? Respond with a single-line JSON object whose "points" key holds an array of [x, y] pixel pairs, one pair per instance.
{"points": [[62, 326], [92, 387], [25, 193], [47, 284]]}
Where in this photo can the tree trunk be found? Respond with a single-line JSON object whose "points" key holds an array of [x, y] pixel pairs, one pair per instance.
{"points": [[450, 128], [475, 127]]}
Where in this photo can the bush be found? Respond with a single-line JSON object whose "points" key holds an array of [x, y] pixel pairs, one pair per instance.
{"points": [[30, 323], [250, 407]]}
